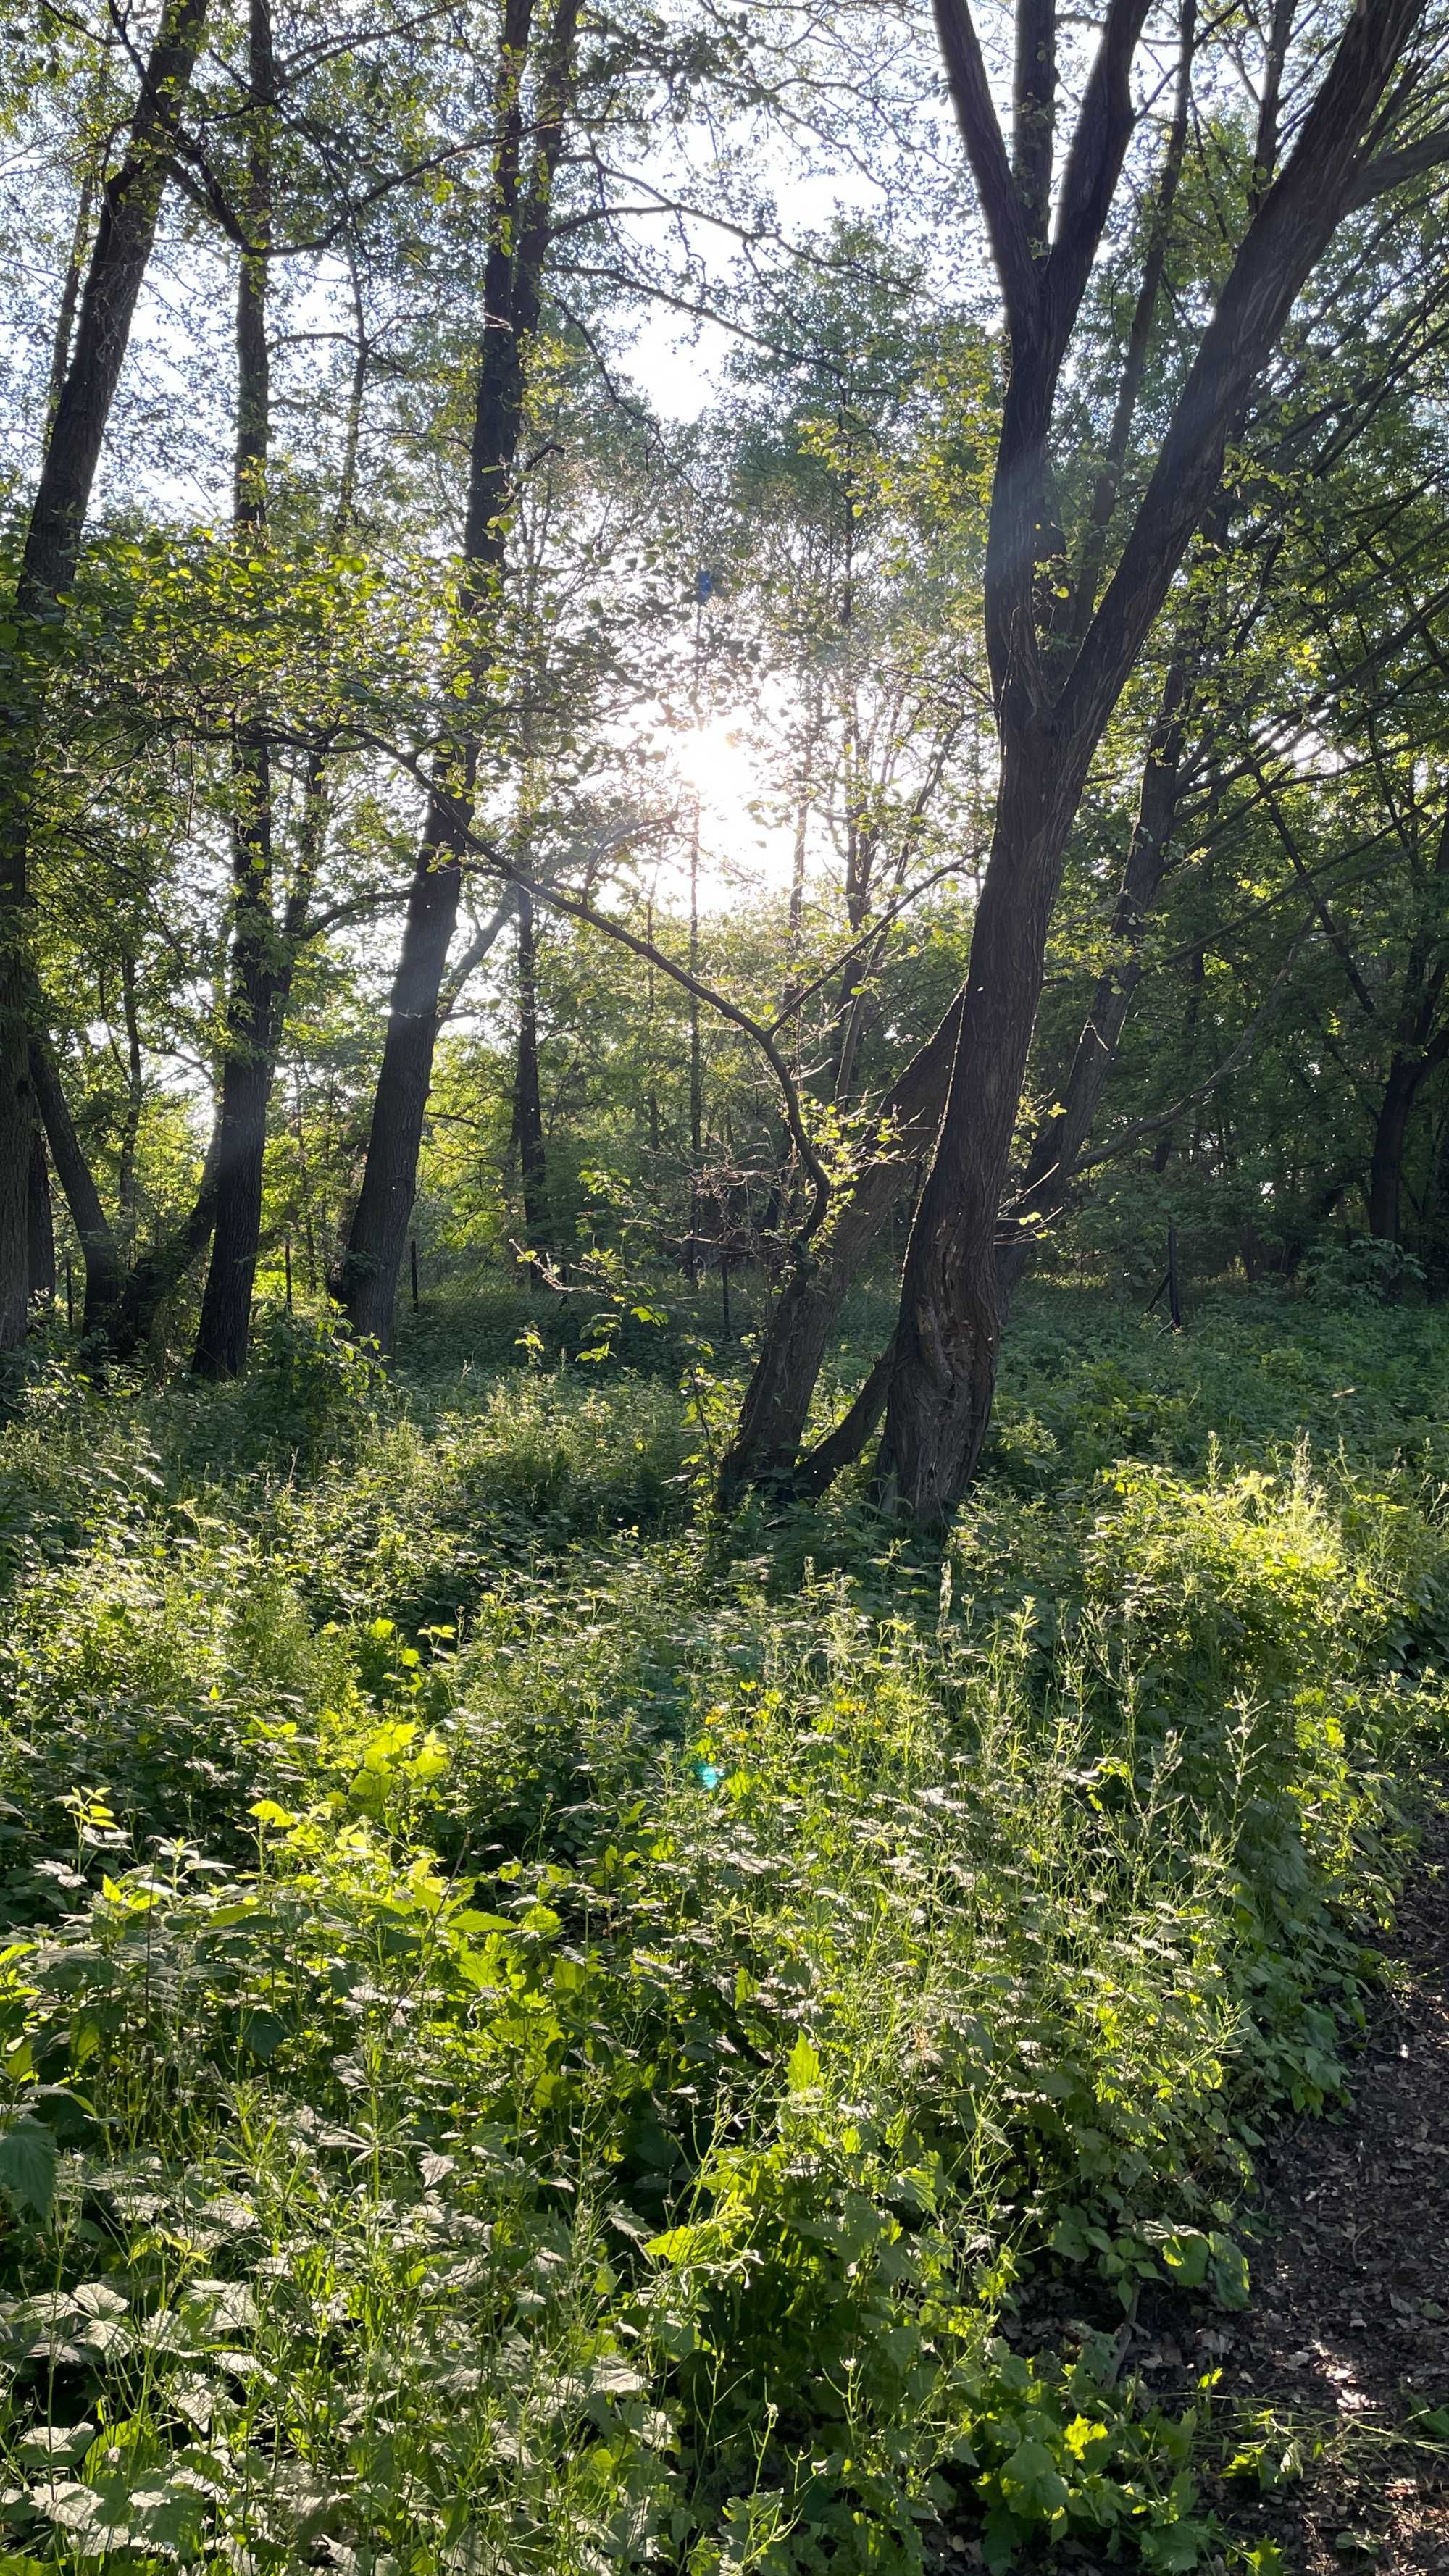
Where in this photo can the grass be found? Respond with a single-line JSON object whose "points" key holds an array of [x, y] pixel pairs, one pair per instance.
{"points": [[542, 2034]]}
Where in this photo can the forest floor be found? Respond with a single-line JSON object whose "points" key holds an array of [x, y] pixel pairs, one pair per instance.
{"points": [[1335, 2382], [540, 2031]]}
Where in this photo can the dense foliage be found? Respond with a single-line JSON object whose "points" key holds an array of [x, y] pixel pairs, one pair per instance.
{"points": [[539, 2036], [714, 722]]}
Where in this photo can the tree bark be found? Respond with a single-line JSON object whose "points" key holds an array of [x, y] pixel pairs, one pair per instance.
{"points": [[1062, 1135], [257, 974], [1386, 1163], [41, 1224], [135, 1096], [148, 1285], [99, 1249], [126, 230], [782, 1383], [1420, 1046], [949, 1328], [366, 1278]]}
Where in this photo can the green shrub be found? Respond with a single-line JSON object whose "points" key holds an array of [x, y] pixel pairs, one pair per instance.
{"points": [[534, 2038]]}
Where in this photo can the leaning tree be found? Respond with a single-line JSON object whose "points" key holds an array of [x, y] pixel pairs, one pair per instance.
{"points": [[1067, 615]]}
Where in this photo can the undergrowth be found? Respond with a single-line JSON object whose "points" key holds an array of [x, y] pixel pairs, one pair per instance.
{"points": [[542, 2034]]}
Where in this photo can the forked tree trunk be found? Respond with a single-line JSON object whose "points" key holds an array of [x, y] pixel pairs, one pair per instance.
{"points": [[803, 1320], [366, 1278], [122, 248], [948, 1335]]}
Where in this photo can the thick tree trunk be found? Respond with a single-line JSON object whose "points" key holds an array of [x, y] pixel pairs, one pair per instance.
{"points": [[1060, 1138], [224, 1326], [366, 1277], [1386, 1162], [122, 248], [948, 1335], [366, 1281]]}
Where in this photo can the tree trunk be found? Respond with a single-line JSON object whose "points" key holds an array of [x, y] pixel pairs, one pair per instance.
{"points": [[366, 1278], [948, 1335], [135, 1099], [122, 248], [159, 1271], [1051, 720], [258, 976], [1060, 1138], [792, 1351], [99, 1249], [527, 1095], [40, 1225], [1386, 1163]]}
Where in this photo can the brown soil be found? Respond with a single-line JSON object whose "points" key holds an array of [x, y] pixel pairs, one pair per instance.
{"points": [[1347, 2337]]}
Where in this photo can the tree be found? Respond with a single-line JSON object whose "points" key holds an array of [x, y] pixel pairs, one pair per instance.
{"points": [[517, 245], [1052, 711], [125, 232]]}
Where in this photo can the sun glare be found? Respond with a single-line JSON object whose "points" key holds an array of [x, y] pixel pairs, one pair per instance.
{"points": [[713, 760]]}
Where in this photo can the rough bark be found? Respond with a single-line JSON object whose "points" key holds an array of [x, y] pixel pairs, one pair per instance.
{"points": [[124, 235], [1421, 1044], [948, 1333], [366, 1278], [1386, 1163], [1062, 1135]]}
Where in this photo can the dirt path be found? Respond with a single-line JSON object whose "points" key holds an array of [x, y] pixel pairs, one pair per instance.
{"points": [[1347, 2337]]}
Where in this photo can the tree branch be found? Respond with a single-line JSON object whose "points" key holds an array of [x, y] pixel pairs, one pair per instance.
{"points": [[540, 891], [1001, 205]]}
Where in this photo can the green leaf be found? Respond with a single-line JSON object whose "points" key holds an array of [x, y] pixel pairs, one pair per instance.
{"points": [[1174, 2548], [1032, 2482], [678, 2244], [27, 2166], [803, 2067]]}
